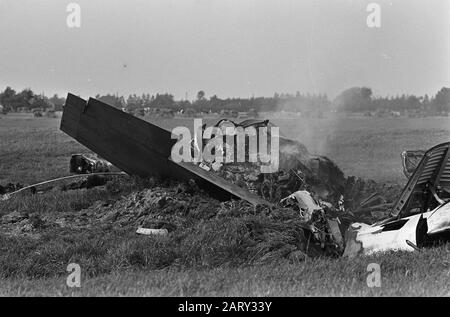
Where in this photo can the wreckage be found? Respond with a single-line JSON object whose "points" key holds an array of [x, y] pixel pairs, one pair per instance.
{"points": [[421, 215], [137, 147], [410, 160], [327, 203]]}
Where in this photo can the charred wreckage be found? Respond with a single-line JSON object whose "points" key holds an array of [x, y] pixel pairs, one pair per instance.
{"points": [[341, 216]]}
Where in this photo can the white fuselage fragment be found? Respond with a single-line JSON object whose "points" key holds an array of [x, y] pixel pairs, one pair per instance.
{"points": [[379, 238]]}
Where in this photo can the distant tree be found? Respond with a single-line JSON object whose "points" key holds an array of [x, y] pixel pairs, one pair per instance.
{"points": [[200, 95], [7, 98], [26, 97], [146, 100], [112, 100], [17, 100], [40, 101], [217, 104], [133, 103], [163, 101], [354, 99], [441, 101], [366, 93], [412, 103], [57, 102], [204, 105], [120, 102]]}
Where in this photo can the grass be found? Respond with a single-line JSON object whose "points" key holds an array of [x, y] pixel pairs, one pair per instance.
{"points": [[118, 262], [32, 150], [414, 274]]}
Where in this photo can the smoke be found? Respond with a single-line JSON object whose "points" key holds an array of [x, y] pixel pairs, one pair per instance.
{"points": [[309, 120]]}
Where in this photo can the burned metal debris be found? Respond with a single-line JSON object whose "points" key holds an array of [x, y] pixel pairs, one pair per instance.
{"points": [[421, 215], [410, 160], [407, 234], [89, 164], [313, 188], [86, 163], [137, 147]]}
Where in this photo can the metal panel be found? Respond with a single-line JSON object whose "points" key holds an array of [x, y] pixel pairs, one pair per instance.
{"points": [[432, 169], [138, 147]]}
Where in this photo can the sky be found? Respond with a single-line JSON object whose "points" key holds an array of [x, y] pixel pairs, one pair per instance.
{"points": [[228, 48]]}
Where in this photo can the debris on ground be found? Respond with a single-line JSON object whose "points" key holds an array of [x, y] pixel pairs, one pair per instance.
{"points": [[331, 202], [9, 188], [86, 163], [138, 148], [93, 180], [420, 216], [268, 233], [301, 210], [410, 160], [148, 231], [90, 182]]}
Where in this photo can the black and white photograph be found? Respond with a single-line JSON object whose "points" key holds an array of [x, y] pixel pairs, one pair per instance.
{"points": [[224, 155]]}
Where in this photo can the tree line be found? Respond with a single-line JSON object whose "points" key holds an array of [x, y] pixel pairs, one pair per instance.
{"points": [[360, 99], [355, 99], [10, 100]]}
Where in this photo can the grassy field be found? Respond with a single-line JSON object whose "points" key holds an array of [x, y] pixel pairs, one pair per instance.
{"points": [[33, 149], [402, 274]]}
